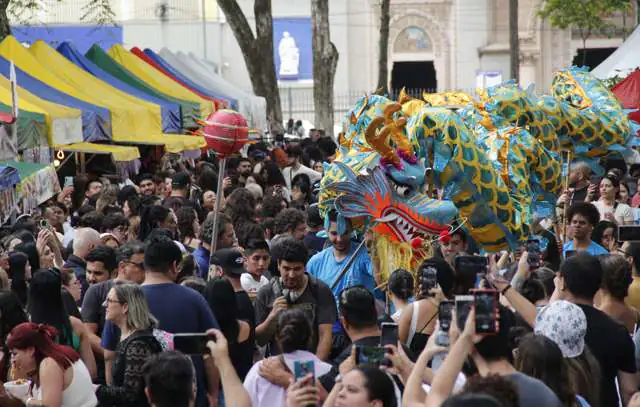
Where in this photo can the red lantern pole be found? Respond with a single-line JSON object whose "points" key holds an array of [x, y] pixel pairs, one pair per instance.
{"points": [[216, 214]]}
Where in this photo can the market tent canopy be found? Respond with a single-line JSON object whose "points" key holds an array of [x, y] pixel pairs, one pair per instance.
{"points": [[8, 177], [131, 117], [179, 77], [157, 79], [628, 90], [624, 60], [64, 124], [259, 104], [118, 153], [173, 143], [170, 111], [189, 110], [96, 121], [32, 126], [253, 108]]}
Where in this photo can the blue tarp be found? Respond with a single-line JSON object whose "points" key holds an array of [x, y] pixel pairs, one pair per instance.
{"points": [[96, 121], [171, 122], [233, 103], [83, 36], [8, 177]]}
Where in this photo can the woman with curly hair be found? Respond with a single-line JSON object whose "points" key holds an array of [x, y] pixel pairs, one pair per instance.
{"points": [[616, 279], [241, 207], [188, 227]]}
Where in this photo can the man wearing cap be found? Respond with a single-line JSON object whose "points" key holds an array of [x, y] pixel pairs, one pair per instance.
{"points": [[578, 281], [230, 265]]}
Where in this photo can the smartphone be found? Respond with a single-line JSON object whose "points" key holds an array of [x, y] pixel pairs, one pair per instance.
{"points": [[44, 223], [533, 248], [191, 344], [629, 233], [445, 313], [486, 307], [463, 306], [389, 334], [369, 355], [569, 253], [470, 266], [68, 182], [428, 278], [595, 180], [302, 369]]}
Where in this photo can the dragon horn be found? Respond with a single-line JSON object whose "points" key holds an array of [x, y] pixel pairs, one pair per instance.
{"points": [[403, 97], [396, 127], [364, 107], [379, 140]]}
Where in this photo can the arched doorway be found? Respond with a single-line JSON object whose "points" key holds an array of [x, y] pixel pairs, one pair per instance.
{"points": [[413, 62]]}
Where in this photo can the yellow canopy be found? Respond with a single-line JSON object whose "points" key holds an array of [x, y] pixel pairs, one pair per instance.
{"points": [[157, 79], [173, 143], [127, 119], [118, 153], [64, 124]]}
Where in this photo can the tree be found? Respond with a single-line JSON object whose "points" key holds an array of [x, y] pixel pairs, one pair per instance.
{"points": [[23, 11], [383, 47], [325, 62], [514, 43], [587, 16], [257, 51]]}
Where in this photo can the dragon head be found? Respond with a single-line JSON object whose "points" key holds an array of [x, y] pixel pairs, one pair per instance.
{"points": [[372, 196], [401, 165]]}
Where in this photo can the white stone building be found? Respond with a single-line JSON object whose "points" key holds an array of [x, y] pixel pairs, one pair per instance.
{"points": [[433, 44]]}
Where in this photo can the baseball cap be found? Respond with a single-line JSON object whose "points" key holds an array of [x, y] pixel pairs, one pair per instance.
{"points": [[565, 324], [180, 180], [231, 261]]}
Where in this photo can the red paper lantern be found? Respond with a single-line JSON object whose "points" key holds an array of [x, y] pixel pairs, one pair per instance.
{"points": [[225, 132]]}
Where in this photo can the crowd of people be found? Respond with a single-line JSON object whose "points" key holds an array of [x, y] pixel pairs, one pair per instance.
{"points": [[118, 293]]}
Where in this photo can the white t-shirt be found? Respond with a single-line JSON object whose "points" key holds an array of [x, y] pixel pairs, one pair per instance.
{"points": [[622, 212], [289, 174], [250, 285]]}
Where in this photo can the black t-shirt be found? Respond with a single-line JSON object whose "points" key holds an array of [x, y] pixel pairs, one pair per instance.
{"points": [[245, 308], [316, 301], [92, 310], [612, 346]]}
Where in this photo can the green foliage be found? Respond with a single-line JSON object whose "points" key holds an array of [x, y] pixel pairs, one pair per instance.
{"points": [[95, 11], [585, 15]]}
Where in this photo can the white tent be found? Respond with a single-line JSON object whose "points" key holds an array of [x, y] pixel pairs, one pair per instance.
{"points": [[252, 107], [623, 61]]}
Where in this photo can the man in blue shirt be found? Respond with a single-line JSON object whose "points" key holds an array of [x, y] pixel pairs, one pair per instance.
{"points": [[582, 217], [328, 264], [225, 240], [178, 309]]}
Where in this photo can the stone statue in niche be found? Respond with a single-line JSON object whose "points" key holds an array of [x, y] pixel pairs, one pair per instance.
{"points": [[289, 55]]}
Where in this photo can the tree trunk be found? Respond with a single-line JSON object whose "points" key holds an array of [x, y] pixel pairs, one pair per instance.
{"points": [[325, 61], [258, 54], [514, 45], [5, 28], [383, 48]]}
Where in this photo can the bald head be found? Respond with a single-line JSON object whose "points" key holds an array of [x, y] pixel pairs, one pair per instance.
{"points": [[84, 241]]}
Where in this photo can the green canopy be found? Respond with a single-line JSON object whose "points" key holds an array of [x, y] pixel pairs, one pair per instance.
{"points": [[188, 110], [38, 182], [32, 128]]}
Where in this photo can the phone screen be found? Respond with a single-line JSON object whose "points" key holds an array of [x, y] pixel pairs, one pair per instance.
{"points": [[302, 369], [191, 344], [569, 253], [428, 278], [389, 334], [370, 355], [628, 233], [533, 249], [445, 313], [463, 306], [468, 267], [486, 305], [68, 182]]}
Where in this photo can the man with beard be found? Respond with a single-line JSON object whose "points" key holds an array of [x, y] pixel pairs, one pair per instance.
{"points": [[327, 266], [243, 170], [147, 184], [295, 289]]}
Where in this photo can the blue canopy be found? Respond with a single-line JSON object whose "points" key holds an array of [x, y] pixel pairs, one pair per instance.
{"points": [[96, 121], [8, 177], [171, 122], [233, 103]]}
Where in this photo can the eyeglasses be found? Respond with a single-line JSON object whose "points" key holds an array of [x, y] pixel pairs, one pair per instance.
{"points": [[108, 301], [139, 265]]}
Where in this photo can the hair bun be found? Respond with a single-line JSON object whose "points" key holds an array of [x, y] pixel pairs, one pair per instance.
{"points": [[47, 330]]}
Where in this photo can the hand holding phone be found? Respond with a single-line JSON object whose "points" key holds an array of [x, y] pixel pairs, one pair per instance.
{"points": [[464, 303], [303, 369], [389, 334], [192, 343], [486, 311]]}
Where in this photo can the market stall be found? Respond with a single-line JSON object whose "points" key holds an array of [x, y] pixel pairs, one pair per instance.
{"points": [[9, 178], [37, 183]]}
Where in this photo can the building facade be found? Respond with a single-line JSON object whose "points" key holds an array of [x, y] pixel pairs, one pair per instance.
{"points": [[434, 45]]}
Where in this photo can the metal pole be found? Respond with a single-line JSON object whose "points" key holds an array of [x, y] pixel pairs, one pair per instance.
{"points": [[566, 204], [216, 213], [204, 29]]}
